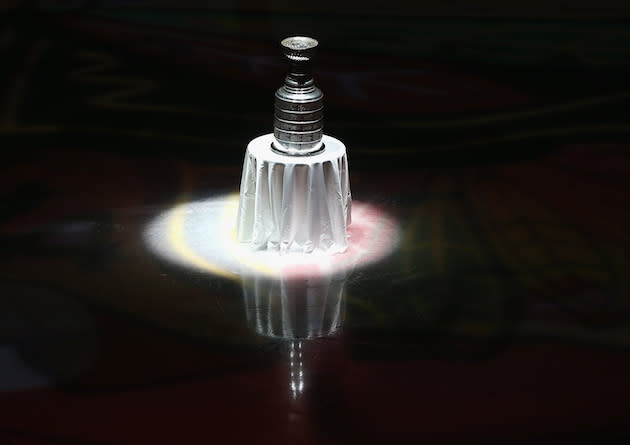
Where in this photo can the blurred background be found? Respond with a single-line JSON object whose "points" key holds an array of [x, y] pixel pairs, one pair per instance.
{"points": [[454, 80], [495, 132]]}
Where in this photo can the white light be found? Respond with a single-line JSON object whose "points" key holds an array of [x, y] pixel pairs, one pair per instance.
{"points": [[201, 235]]}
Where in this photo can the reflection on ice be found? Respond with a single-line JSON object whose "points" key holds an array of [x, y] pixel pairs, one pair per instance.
{"points": [[300, 311], [294, 308], [296, 365]]}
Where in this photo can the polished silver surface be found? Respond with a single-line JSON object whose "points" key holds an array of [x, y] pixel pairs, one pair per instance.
{"points": [[299, 106]]}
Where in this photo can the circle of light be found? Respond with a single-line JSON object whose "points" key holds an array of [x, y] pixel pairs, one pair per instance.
{"points": [[201, 235]]}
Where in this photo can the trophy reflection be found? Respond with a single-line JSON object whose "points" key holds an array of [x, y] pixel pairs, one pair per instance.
{"points": [[306, 314]]}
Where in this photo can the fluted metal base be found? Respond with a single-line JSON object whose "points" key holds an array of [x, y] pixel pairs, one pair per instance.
{"points": [[295, 203]]}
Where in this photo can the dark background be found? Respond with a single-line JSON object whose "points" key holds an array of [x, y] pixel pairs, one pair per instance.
{"points": [[497, 133]]}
